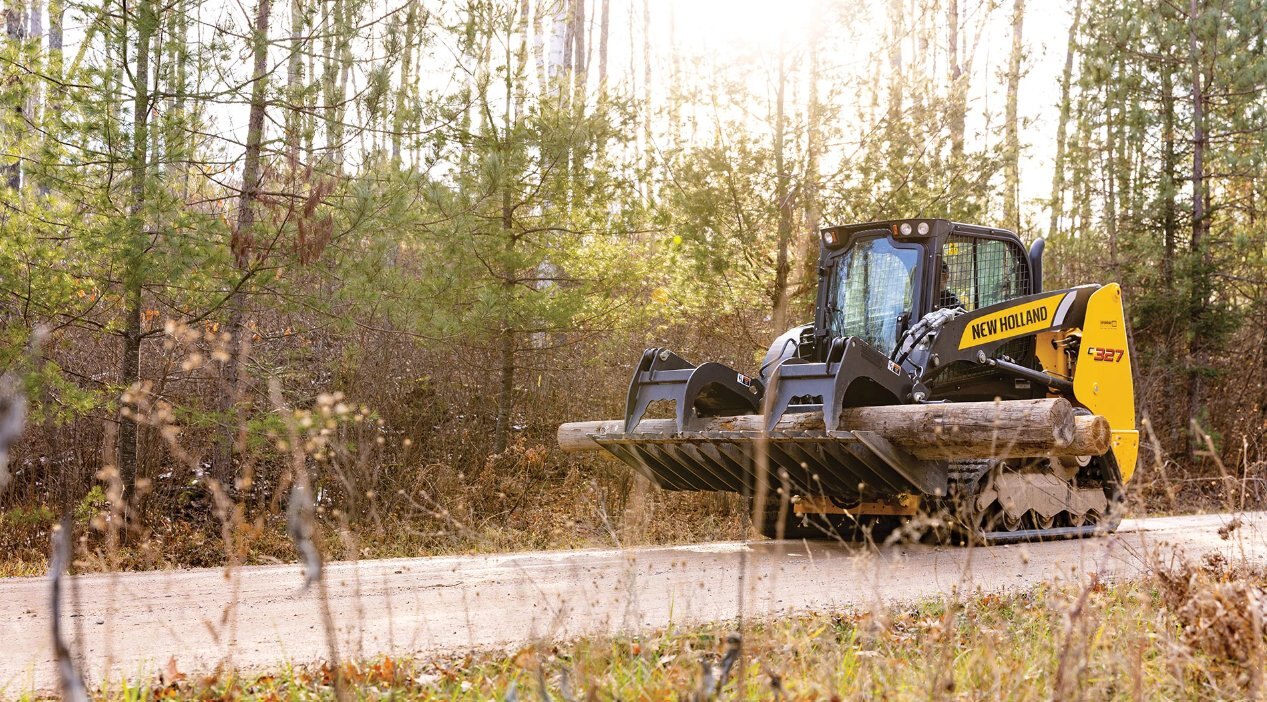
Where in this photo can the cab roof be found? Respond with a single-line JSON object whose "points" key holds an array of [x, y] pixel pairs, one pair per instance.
{"points": [[937, 228]]}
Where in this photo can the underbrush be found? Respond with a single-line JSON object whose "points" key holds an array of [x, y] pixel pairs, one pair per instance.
{"points": [[1187, 633], [413, 476], [529, 513]]}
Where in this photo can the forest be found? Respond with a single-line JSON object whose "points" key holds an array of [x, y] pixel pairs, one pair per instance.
{"points": [[383, 248]]}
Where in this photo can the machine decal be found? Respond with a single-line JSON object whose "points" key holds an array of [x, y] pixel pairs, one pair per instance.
{"points": [[1010, 322], [1099, 353], [1063, 310]]}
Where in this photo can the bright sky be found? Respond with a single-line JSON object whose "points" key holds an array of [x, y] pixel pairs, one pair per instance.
{"points": [[760, 25]]}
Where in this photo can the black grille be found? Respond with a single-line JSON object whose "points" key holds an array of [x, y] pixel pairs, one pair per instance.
{"points": [[977, 273], [981, 272]]}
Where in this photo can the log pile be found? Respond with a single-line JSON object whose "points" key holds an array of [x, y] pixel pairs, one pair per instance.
{"points": [[964, 430]]}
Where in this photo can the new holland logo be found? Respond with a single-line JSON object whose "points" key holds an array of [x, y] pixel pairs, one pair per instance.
{"points": [[1018, 320], [1001, 325]]}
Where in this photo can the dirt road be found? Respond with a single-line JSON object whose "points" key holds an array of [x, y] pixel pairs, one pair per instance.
{"points": [[132, 624]]}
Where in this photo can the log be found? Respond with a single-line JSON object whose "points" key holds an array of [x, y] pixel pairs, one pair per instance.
{"points": [[1092, 436], [1007, 429]]}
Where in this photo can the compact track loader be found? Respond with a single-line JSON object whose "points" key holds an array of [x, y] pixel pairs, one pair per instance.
{"points": [[937, 378]]}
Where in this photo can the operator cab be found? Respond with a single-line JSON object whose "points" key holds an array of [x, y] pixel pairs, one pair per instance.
{"points": [[878, 279]]}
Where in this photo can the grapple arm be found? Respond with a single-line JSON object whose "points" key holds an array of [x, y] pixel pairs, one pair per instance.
{"points": [[707, 390]]}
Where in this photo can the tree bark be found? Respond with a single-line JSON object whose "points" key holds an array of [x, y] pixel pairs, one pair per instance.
{"points": [[1109, 166], [505, 391], [55, 92], [508, 338], [1011, 139], [897, 87], [36, 32]]}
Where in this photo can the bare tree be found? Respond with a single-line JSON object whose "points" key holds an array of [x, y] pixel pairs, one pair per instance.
{"points": [[1062, 125], [243, 244], [139, 241], [1011, 125]]}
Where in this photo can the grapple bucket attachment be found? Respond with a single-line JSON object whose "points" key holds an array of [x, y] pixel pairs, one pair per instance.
{"points": [[706, 390], [853, 371], [842, 463], [811, 462]]}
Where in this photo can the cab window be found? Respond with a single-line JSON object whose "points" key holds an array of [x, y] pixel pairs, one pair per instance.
{"points": [[979, 272], [871, 292]]}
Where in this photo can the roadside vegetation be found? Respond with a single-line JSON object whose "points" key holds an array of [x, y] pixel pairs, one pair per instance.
{"points": [[1189, 632], [468, 218]]}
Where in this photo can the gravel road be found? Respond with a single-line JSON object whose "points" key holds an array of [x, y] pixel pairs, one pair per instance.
{"points": [[135, 623]]}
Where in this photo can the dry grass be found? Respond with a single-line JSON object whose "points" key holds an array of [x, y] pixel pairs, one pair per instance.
{"points": [[1189, 633], [557, 515]]}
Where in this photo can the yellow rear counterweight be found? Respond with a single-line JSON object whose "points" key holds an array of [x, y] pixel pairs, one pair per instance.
{"points": [[1102, 379]]}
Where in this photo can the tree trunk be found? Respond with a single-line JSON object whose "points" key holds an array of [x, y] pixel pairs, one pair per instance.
{"points": [[346, 30], [56, 20], [958, 97], [406, 81], [1011, 139], [1200, 225], [647, 146], [15, 31], [311, 95], [674, 93], [505, 391], [897, 87], [579, 84], [243, 245], [1108, 171], [332, 85], [604, 25], [129, 375], [507, 339], [539, 48], [130, 369], [578, 56], [295, 89], [810, 197], [1169, 214], [36, 32], [54, 94], [783, 199], [1062, 126]]}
